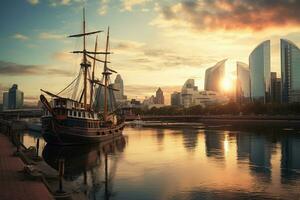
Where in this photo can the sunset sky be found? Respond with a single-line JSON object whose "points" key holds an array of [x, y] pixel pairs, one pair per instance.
{"points": [[156, 43]]}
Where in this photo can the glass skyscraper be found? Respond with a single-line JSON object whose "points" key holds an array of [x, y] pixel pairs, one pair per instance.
{"points": [[13, 99], [243, 82], [214, 76], [259, 65], [290, 71]]}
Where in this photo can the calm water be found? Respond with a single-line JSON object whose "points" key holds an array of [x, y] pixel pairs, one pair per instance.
{"points": [[185, 164]]}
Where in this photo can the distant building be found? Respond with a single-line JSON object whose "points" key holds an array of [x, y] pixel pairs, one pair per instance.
{"points": [[259, 65], [275, 88], [119, 85], [155, 101], [290, 71], [176, 99], [149, 101], [213, 77], [13, 99], [242, 83], [5, 101], [159, 97], [190, 96], [188, 92]]}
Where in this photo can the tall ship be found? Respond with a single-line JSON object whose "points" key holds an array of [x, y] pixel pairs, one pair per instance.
{"points": [[85, 111]]}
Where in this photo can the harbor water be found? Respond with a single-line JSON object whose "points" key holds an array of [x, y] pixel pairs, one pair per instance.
{"points": [[183, 163]]}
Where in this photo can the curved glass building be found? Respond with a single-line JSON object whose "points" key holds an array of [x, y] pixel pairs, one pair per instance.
{"points": [[259, 67], [214, 76], [290, 71], [242, 82]]}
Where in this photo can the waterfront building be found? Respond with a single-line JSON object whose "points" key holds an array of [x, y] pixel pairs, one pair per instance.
{"points": [[190, 96], [13, 99], [242, 82], [159, 97], [188, 92], [275, 88], [290, 71], [213, 77], [259, 65], [176, 99]]}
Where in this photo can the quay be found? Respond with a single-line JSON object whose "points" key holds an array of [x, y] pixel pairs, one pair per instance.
{"points": [[13, 183]]}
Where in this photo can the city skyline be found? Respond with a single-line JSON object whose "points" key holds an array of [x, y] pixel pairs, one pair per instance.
{"points": [[35, 50]]}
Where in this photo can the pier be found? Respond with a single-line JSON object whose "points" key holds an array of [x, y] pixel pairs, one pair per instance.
{"points": [[13, 182]]}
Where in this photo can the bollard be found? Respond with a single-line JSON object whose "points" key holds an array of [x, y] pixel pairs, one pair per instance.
{"points": [[61, 169], [18, 142], [37, 147]]}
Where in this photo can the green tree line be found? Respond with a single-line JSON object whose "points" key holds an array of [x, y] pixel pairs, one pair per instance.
{"points": [[229, 108]]}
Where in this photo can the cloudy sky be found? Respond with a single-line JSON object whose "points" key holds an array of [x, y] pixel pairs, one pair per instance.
{"points": [[156, 43]]}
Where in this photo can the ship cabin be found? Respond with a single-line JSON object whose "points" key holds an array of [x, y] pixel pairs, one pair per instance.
{"points": [[73, 113]]}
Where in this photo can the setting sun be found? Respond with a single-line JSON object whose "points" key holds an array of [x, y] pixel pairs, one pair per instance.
{"points": [[226, 84]]}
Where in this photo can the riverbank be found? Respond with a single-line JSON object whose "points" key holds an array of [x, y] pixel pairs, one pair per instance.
{"points": [[226, 122]]}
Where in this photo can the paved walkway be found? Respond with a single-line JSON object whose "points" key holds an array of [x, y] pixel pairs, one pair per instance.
{"points": [[13, 186]]}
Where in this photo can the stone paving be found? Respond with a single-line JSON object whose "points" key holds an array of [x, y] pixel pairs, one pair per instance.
{"points": [[13, 184]]}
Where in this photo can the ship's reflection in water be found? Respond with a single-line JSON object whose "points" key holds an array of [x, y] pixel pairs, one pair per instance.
{"points": [[83, 165], [186, 164]]}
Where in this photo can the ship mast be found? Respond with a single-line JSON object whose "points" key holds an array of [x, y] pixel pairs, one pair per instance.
{"points": [[85, 54], [93, 74], [106, 73]]}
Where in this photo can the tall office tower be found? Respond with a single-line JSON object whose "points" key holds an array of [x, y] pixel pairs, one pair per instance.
{"points": [[275, 88], [213, 77], [242, 82], [14, 97], [159, 97], [5, 101], [290, 71], [119, 85], [176, 99], [259, 65]]}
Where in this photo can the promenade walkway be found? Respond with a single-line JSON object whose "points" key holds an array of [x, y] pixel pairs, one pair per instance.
{"points": [[13, 185]]}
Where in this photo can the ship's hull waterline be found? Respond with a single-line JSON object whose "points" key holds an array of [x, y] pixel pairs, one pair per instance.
{"points": [[57, 134]]}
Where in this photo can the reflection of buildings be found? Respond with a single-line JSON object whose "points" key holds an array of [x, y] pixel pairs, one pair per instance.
{"points": [[259, 65], [214, 142], [190, 96], [290, 71], [257, 149], [160, 134], [190, 139], [260, 152], [260, 157], [290, 155], [13, 99], [213, 77], [243, 146], [242, 82]]}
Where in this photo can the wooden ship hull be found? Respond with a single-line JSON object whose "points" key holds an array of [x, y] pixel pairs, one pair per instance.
{"points": [[56, 133]]}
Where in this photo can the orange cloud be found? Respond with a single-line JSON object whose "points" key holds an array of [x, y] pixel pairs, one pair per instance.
{"points": [[232, 14]]}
